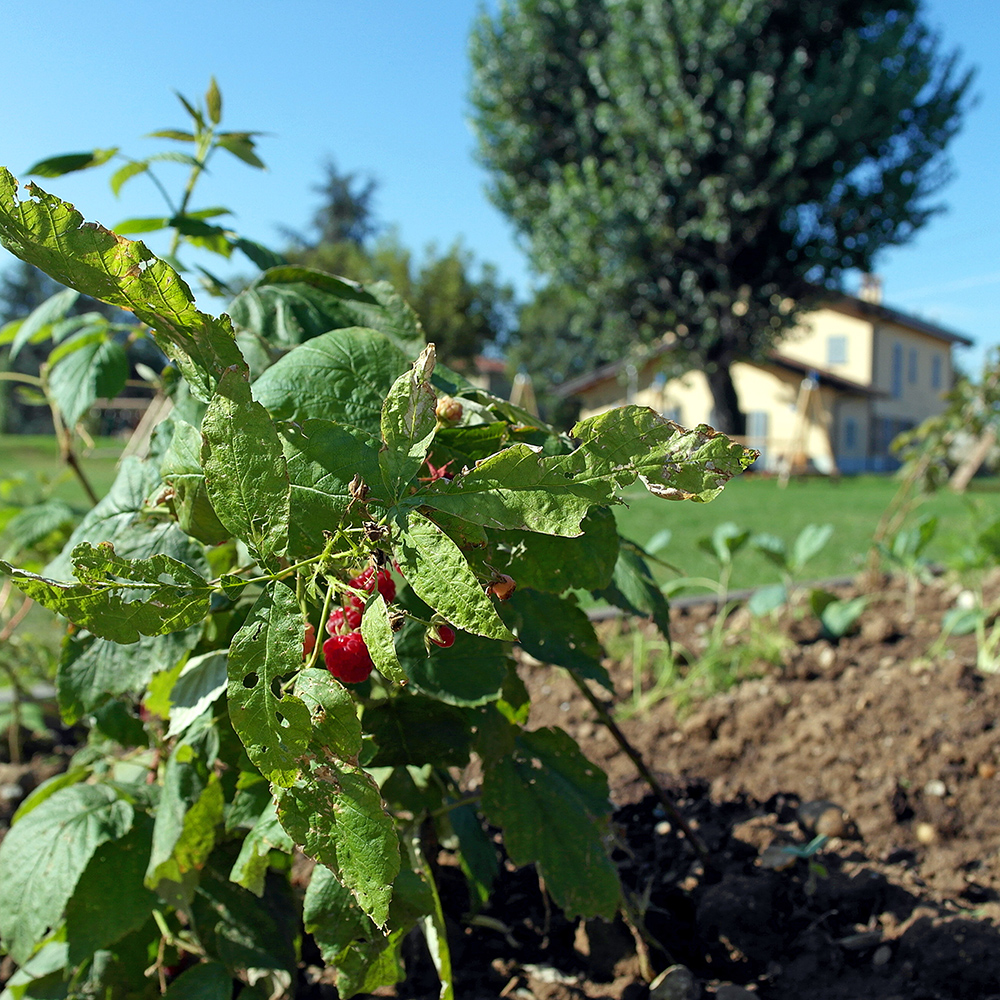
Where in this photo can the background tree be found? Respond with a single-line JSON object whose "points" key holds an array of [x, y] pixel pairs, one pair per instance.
{"points": [[463, 305], [698, 164]]}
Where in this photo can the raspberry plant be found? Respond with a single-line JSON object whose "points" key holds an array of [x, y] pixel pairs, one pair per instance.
{"points": [[310, 503]]}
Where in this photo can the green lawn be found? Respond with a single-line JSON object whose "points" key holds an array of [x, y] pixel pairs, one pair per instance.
{"points": [[852, 504], [37, 455]]}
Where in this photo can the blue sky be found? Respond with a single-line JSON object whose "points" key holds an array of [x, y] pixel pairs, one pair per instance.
{"points": [[381, 87]]}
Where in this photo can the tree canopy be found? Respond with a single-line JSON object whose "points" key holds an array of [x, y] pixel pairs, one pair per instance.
{"points": [[698, 165]]}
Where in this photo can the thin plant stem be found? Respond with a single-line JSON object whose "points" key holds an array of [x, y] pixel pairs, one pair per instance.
{"points": [[668, 804], [433, 925]]}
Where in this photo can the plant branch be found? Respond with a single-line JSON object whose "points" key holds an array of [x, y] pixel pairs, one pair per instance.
{"points": [[668, 804]]}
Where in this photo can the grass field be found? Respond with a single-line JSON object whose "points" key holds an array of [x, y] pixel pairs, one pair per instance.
{"points": [[37, 456], [853, 505]]}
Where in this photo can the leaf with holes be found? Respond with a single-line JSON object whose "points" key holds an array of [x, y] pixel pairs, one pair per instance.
{"points": [[274, 727]]}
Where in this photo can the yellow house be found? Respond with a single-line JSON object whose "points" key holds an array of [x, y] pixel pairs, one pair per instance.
{"points": [[835, 392]]}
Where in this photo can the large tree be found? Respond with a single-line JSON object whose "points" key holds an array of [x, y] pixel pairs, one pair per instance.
{"points": [[700, 165]]}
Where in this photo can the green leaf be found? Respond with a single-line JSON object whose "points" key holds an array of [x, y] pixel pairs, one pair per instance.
{"points": [[245, 473], [336, 729], [773, 548], [377, 633], [115, 872], [173, 133], [322, 459], [182, 472], [553, 806], [189, 810], [129, 227], [55, 307], [51, 234], [32, 524], [364, 958], [441, 577], [202, 681], [213, 102], [725, 541], [634, 590], [342, 376], [519, 488], [92, 670], [478, 852], [961, 621], [97, 371], [266, 835], [673, 463], [336, 815], [573, 644], [68, 163], [408, 424], [120, 519], [836, 616], [204, 981], [124, 174], [253, 941], [121, 599], [471, 672], [415, 730], [264, 257], [274, 729], [290, 304], [45, 853], [241, 145], [764, 600], [810, 540], [557, 563]]}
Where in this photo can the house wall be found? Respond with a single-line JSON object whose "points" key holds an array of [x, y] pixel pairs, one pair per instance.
{"points": [[810, 343], [895, 360], [767, 395]]}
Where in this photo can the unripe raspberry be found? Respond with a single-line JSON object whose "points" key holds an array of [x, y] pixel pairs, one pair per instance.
{"points": [[448, 410], [309, 642], [502, 587]]}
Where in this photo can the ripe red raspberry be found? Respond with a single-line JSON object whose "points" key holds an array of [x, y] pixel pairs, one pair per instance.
{"points": [[347, 658], [309, 642], [442, 635], [343, 620], [368, 580]]}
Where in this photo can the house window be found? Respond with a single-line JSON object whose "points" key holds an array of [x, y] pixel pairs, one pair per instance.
{"points": [[911, 373], [897, 370], [836, 350], [850, 434], [936, 371], [757, 428]]}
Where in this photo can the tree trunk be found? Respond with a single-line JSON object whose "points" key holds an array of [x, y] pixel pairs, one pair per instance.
{"points": [[728, 417], [970, 466]]}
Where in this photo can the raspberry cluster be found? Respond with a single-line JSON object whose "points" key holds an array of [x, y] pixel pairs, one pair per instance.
{"points": [[345, 652]]}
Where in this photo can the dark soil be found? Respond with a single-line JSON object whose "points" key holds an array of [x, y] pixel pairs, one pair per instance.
{"points": [[891, 754]]}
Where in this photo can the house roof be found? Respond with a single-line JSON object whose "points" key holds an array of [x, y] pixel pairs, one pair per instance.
{"points": [[775, 359], [851, 305], [875, 311]]}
